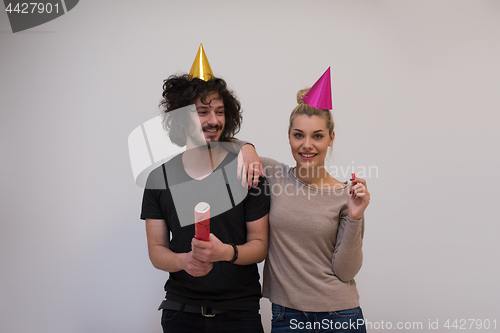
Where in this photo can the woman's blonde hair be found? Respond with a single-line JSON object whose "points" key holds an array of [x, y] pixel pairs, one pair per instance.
{"points": [[306, 109]]}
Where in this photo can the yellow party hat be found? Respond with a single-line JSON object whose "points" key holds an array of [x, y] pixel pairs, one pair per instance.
{"points": [[201, 68]]}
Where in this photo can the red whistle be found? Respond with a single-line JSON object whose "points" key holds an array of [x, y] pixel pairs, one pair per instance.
{"points": [[353, 176], [202, 221]]}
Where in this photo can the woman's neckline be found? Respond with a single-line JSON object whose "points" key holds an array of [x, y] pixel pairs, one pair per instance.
{"points": [[292, 174]]}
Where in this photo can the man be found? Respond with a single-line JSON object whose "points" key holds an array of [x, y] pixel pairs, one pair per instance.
{"points": [[213, 285]]}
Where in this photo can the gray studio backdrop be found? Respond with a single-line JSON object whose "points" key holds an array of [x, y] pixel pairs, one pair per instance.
{"points": [[415, 88]]}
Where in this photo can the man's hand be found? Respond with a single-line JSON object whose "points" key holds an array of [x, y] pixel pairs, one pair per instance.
{"points": [[212, 250], [195, 267], [249, 166]]}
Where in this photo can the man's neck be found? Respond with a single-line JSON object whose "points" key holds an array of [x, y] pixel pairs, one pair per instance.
{"points": [[201, 161]]}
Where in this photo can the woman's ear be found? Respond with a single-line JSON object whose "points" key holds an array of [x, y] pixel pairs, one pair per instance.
{"points": [[332, 137]]}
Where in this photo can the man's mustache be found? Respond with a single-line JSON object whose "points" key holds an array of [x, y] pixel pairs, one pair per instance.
{"points": [[206, 128]]}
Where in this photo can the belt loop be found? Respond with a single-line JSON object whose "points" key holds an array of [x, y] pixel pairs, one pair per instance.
{"points": [[205, 314], [282, 313], [182, 307]]}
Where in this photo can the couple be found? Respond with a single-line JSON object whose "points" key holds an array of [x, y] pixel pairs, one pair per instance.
{"points": [[312, 242]]}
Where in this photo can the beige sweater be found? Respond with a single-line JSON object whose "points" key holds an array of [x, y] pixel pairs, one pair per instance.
{"points": [[314, 247]]}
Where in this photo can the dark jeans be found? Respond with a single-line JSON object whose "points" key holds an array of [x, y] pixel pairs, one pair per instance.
{"points": [[291, 320], [174, 321]]}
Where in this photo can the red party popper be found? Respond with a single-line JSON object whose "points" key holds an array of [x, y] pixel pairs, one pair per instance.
{"points": [[202, 221], [353, 176]]}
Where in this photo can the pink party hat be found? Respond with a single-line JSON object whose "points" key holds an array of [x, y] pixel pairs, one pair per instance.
{"points": [[320, 94]]}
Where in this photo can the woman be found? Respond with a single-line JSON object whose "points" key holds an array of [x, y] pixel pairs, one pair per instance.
{"points": [[316, 231]]}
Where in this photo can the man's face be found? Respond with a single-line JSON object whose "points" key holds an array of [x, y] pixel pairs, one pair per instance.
{"points": [[212, 116]]}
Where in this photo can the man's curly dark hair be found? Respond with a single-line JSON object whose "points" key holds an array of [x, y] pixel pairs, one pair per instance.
{"points": [[180, 91]]}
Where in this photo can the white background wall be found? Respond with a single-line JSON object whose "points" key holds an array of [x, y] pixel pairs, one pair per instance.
{"points": [[415, 94]]}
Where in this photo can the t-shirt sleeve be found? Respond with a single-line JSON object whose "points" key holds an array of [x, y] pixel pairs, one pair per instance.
{"points": [[257, 203], [151, 208]]}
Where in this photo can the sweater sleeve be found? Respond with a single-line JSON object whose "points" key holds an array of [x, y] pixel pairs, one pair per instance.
{"points": [[348, 255], [236, 145], [273, 168]]}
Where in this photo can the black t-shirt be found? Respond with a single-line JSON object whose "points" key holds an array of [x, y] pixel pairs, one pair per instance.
{"points": [[226, 286]]}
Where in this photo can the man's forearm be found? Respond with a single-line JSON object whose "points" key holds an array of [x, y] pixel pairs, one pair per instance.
{"points": [[166, 260]]}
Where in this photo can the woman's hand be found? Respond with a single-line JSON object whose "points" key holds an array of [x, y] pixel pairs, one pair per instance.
{"points": [[359, 199], [249, 166]]}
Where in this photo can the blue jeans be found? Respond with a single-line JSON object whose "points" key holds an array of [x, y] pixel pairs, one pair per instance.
{"points": [[290, 320]]}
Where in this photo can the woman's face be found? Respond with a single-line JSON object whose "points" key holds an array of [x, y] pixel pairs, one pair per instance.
{"points": [[309, 140]]}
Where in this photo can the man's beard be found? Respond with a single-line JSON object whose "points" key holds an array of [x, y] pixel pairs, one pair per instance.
{"points": [[207, 128], [201, 140]]}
